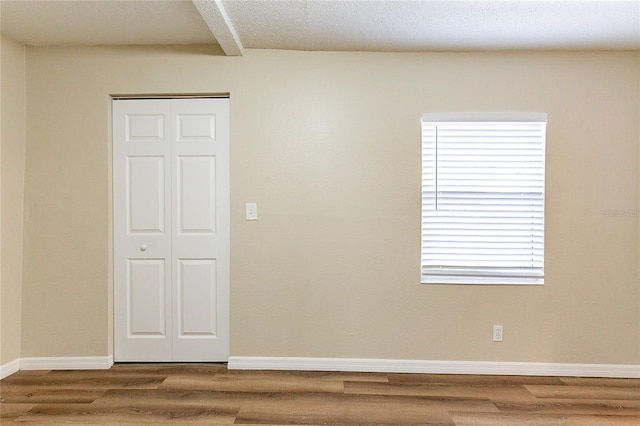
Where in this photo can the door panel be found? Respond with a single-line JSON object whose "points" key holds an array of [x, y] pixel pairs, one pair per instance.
{"points": [[171, 229], [195, 127], [145, 127], [201, 228], [145, 194], [142, 237], [197, 295], [146, 282], [196, 194]]}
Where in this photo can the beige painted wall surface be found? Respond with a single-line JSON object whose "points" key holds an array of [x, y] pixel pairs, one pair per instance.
{"points": [[12, 146], [328, 145]]}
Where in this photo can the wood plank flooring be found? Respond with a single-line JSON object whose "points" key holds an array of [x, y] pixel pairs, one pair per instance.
{"points": [[131, 394]]}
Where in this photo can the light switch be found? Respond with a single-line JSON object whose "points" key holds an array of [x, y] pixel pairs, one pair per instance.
{"points": [[252, 211]]}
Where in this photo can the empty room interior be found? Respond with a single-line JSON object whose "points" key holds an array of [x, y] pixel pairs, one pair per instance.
{"points": [[219, 188]]}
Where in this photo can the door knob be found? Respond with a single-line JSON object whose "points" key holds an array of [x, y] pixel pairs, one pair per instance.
{"points": [[143, 247]]}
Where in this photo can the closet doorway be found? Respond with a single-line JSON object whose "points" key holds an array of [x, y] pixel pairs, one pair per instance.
{"points": [[171, 229]]}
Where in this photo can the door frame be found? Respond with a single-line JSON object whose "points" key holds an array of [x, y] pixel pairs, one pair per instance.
{"points": [[110, 201]]}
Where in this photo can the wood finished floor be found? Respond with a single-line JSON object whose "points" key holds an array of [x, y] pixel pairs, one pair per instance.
{"points": [[210, 394]]}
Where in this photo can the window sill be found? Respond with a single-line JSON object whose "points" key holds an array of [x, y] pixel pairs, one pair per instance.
{"points": [[431, 279]]}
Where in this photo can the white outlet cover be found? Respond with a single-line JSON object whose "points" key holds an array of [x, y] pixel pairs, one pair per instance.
{"points": [[497, 333]]}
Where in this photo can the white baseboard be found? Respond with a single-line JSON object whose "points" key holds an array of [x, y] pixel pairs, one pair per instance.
{"points": [[434, 367], [354, 364], [9, 368], [67, 363]]}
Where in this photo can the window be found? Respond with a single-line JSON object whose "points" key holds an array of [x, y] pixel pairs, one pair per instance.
{"points": [[483, 198]]}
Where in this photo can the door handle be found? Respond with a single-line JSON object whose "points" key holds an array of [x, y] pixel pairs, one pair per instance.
{"points": [[143, 247]]}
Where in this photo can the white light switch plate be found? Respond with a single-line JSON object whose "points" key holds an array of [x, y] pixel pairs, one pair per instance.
{"points": [[252, 211]]}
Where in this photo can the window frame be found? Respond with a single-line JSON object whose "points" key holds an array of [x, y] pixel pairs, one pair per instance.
{"points": [[480, 275]]}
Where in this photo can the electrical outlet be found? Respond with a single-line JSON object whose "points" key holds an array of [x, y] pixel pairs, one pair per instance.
{"points": [[497, 333]]}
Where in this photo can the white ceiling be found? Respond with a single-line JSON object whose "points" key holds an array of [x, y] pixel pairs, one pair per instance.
{"points": [[50, 23], [356, 25]]}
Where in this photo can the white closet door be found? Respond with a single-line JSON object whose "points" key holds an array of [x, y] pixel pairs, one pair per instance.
{"points": [[200, 193], [142, 230], [171, 230]]}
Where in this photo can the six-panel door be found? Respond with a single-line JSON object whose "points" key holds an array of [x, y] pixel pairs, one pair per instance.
{"points": [[171, 229]]}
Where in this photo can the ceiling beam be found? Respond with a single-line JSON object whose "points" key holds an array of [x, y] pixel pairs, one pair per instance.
{"points": [[220, 25]]}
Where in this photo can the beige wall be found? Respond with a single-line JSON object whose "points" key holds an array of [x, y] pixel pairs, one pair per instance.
{"points": [[12, 148], [328, 145]]}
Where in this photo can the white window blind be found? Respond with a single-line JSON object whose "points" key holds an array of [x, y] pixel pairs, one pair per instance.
{"points": [[483, 180]]}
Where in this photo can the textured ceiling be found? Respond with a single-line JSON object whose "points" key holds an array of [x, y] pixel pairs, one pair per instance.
{"points": [[90, 22], [436, 25], [362, 25]]}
